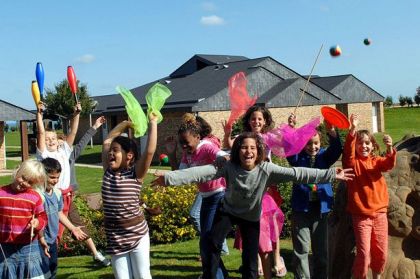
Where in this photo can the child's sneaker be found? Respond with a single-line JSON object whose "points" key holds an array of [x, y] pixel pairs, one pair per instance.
{"points": [[99, 258]]}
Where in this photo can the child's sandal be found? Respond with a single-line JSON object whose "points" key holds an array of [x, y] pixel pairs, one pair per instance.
{"points": [[280, 271]]}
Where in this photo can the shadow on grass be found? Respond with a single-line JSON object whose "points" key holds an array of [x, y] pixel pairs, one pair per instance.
{"points": [[13, 153], [88, 269], [92, 158], [174, 255]]}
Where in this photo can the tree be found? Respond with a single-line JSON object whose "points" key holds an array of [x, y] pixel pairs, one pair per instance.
{"points": [[402, 100], [6, 127], [61, 100], [417, 96], [388, 101], [409, 101]]}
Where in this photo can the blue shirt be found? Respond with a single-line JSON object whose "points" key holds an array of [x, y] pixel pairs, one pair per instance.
{"points": [[324, 159], [53, 204]]}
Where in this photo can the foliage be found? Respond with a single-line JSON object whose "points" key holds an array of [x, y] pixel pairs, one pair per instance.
{"points": [[417, 96], [93, 220], [285, 190], [402, 100], [409, 101], [61, 100], [175, 202], [388, 101]]}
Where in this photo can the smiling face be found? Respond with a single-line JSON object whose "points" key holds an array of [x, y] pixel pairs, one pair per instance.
{"points": [[248, 153], [52, 179], [313, 145], [364, 146], [257, 121], [189, 142], [51, 141], [21, 184], [118, 158]]}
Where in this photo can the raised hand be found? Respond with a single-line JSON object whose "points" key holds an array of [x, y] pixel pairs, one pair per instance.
{"points": [[330, 129], [291, 120], [226, 128], [40, 107], [78, 107], [354, 121], [99, 121], [388, 143], [344, 174], [153, 117], [387, 140]]}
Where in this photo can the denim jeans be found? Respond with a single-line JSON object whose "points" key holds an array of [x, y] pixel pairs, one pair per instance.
{"points": [[195, 212], [21, 261], [50, 264], [208, 210]]}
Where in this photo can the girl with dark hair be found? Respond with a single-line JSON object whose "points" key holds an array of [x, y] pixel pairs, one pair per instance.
{"points": [[198, 151], [247, 176], [126, 229], [258, 119]]}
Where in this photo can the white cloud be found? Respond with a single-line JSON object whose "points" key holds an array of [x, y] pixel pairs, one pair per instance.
{"points": [[212, 20], [85, 59], [208, 6]]}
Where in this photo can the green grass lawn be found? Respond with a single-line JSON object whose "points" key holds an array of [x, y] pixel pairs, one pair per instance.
{"points": [[402, 121], [176, 260], [398, 123], [12, 138]]}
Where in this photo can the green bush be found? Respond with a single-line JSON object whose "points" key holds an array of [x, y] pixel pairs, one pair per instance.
{"points": [[285, 190], [172, 225], [94, 222]]}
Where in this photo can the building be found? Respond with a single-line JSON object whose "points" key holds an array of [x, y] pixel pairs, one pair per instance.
{"points": [[200, 86], [10, 112]]}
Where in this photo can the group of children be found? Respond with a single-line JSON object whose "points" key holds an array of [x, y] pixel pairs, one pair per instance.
{"points": [[235, 188]]}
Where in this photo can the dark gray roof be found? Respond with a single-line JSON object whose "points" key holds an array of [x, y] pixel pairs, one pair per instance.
{"points": [[201, 84], [200, 61], [188, 89], [349, 88], [328, 83], [10, 112]]}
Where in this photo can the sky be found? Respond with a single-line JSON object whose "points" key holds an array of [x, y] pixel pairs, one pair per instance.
{"points": [[134, 42]]}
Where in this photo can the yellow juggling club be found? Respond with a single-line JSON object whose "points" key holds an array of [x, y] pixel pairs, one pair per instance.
{"points": [[35, 92]]}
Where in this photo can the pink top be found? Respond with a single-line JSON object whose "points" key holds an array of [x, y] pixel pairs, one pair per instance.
{"points": [[205, 154]]}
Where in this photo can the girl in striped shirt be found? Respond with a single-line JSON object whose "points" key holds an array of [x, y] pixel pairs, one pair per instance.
{"points": [[22, 216], [126, 229]]}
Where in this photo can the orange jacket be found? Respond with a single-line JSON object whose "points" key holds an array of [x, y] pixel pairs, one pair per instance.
{"points": [[367, 193]]}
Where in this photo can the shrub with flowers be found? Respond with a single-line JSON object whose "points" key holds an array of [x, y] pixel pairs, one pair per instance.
{"points": [[93, 220], [175, 202]]}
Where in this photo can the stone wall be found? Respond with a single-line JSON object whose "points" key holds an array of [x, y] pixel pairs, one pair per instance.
{"points": [[364, 110]]}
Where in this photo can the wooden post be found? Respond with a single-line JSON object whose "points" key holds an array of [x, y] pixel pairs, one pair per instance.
{"points": [[24, 140]]}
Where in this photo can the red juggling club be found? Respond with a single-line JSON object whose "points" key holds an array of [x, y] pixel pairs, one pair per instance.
{"points": [[71, 77]]}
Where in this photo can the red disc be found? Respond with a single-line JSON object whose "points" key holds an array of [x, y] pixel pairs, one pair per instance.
{"points": [[335, 118]]}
